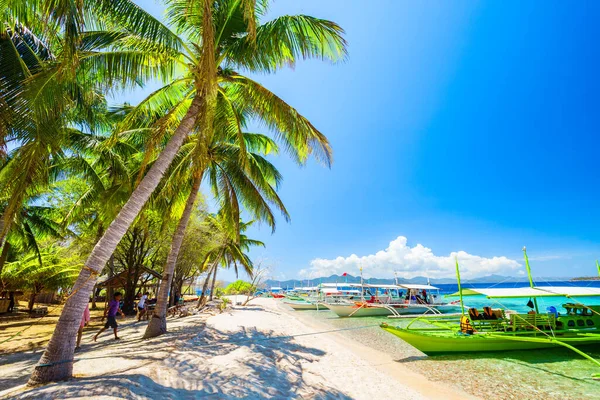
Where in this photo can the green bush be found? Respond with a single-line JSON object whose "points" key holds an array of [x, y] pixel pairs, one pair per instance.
{"points": [[239, 287]]}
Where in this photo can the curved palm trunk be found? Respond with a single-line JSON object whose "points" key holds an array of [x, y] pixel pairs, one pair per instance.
{"points": [[214, 279], [4, 228], [158, 323], [4, 255], [213, 266], [57, 361]]}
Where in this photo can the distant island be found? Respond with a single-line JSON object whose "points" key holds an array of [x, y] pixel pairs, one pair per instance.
{"points": [[587, 278], [416, 280]]}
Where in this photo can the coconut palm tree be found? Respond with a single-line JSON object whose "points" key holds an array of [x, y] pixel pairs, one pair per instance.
{"points": [[232, 251], [219, 34], [32, 224], [239, 97], [251, 185]]}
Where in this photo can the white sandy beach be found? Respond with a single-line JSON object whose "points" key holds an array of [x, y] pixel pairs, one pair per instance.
{"points": [[260, 351]]}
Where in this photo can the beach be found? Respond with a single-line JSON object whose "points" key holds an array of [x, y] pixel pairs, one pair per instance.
{"points": [[264, 350]]}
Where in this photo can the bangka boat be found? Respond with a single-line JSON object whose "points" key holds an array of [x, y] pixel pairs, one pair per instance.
{"points": [[313, 298], [419, 299], [502, 330], [303, 304], [578, 326]]}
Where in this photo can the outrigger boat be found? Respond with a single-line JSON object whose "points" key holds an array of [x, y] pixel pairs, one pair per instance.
{"points": [[314, 298], [502, 330], [419, 299]]}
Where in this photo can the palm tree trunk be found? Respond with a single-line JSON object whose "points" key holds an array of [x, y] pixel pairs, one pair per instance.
{"points": [[94, 292], [202, 298], [31, 301], [57, 361], [110, 290], [4, 228], [214, 265], [214, 279], [158, 323], [4, 255]]}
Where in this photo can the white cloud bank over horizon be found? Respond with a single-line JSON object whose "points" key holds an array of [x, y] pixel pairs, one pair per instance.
{"points": [[409, 262]]}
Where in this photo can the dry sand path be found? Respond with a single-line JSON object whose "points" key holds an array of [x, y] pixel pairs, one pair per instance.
{"points": [[260, 351]]}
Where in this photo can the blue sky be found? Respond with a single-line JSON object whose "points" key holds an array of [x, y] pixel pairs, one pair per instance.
{"points": [[461, 126]]}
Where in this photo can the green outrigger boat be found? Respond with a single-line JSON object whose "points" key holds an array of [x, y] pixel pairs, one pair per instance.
{"points": [[515, 332], [502, 330]]}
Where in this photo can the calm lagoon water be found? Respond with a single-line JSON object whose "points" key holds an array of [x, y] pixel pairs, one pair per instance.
{"points": [[537, 374]]}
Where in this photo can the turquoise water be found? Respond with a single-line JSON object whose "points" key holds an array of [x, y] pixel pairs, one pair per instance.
{"points": [[537, 374]]}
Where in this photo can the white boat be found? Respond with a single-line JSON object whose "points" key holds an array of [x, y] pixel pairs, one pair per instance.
{"points": [[382, 300], [299, 305]]}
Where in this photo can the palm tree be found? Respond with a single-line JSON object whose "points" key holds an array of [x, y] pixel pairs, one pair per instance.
{"points": [[32, 224], [239, 97], [235, 253], [249, 185], [236, 42], [209, 50], [232, 251]]}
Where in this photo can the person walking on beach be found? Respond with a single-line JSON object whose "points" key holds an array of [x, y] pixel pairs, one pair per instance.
{"points": [[84, 321], [111, 315], [142, 306]]}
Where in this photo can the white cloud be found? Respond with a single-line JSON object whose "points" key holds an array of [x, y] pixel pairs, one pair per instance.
{"points": [[409, 262]]}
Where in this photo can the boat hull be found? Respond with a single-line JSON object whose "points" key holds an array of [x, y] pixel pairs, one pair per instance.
{"points": [[353, 310], [447, 343], [300, 306]]}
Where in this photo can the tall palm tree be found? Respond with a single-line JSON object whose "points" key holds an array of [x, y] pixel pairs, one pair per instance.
{"points": [[232, 250], [220, 34], [235, 251], [250, 185], [239, 97], [217, 40]]}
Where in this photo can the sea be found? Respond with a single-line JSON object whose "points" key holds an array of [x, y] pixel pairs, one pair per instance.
{"points": [[534, 374]]}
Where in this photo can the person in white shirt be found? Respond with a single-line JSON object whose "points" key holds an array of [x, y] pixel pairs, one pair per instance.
{"points": [[142, 306]]}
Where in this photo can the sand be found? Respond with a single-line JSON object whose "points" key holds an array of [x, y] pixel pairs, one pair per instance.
{"points": [[263, 350]]}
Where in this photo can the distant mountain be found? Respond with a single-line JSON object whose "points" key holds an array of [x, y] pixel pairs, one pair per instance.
{"points": [[416, 280], [587, 278]]}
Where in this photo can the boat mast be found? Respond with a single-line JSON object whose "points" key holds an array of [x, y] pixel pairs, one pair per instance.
{"points": [[598, 266], [362, 289], [462, 306], [529, 276]]}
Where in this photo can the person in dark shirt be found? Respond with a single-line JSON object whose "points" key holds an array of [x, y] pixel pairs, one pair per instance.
{"points": [[111, 316]]}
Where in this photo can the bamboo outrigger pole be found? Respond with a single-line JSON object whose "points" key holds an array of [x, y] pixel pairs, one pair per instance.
{"points": [[530, 279], [598, 266], [462, 306]]}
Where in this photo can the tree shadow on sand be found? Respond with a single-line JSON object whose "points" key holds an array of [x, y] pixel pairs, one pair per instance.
{"points": [[247, 364]]}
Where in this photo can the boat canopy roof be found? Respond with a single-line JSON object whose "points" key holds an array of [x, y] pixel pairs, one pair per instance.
{"points": [[543, 291], [413, 286], [398, 286], [572, 291], [382, 286]]}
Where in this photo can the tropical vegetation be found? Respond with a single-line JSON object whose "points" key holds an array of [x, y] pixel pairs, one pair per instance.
{"points": [[92, 188]]}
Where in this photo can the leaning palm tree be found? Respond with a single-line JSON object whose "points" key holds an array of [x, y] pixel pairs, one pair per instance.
{"points": [[251, 185], [31, 225], [235, 253], [220, 34], [231, 251], [239, 97]]}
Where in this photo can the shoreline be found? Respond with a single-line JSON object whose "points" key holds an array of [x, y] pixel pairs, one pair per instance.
{"points": [[259, 351], [384, 362]]}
